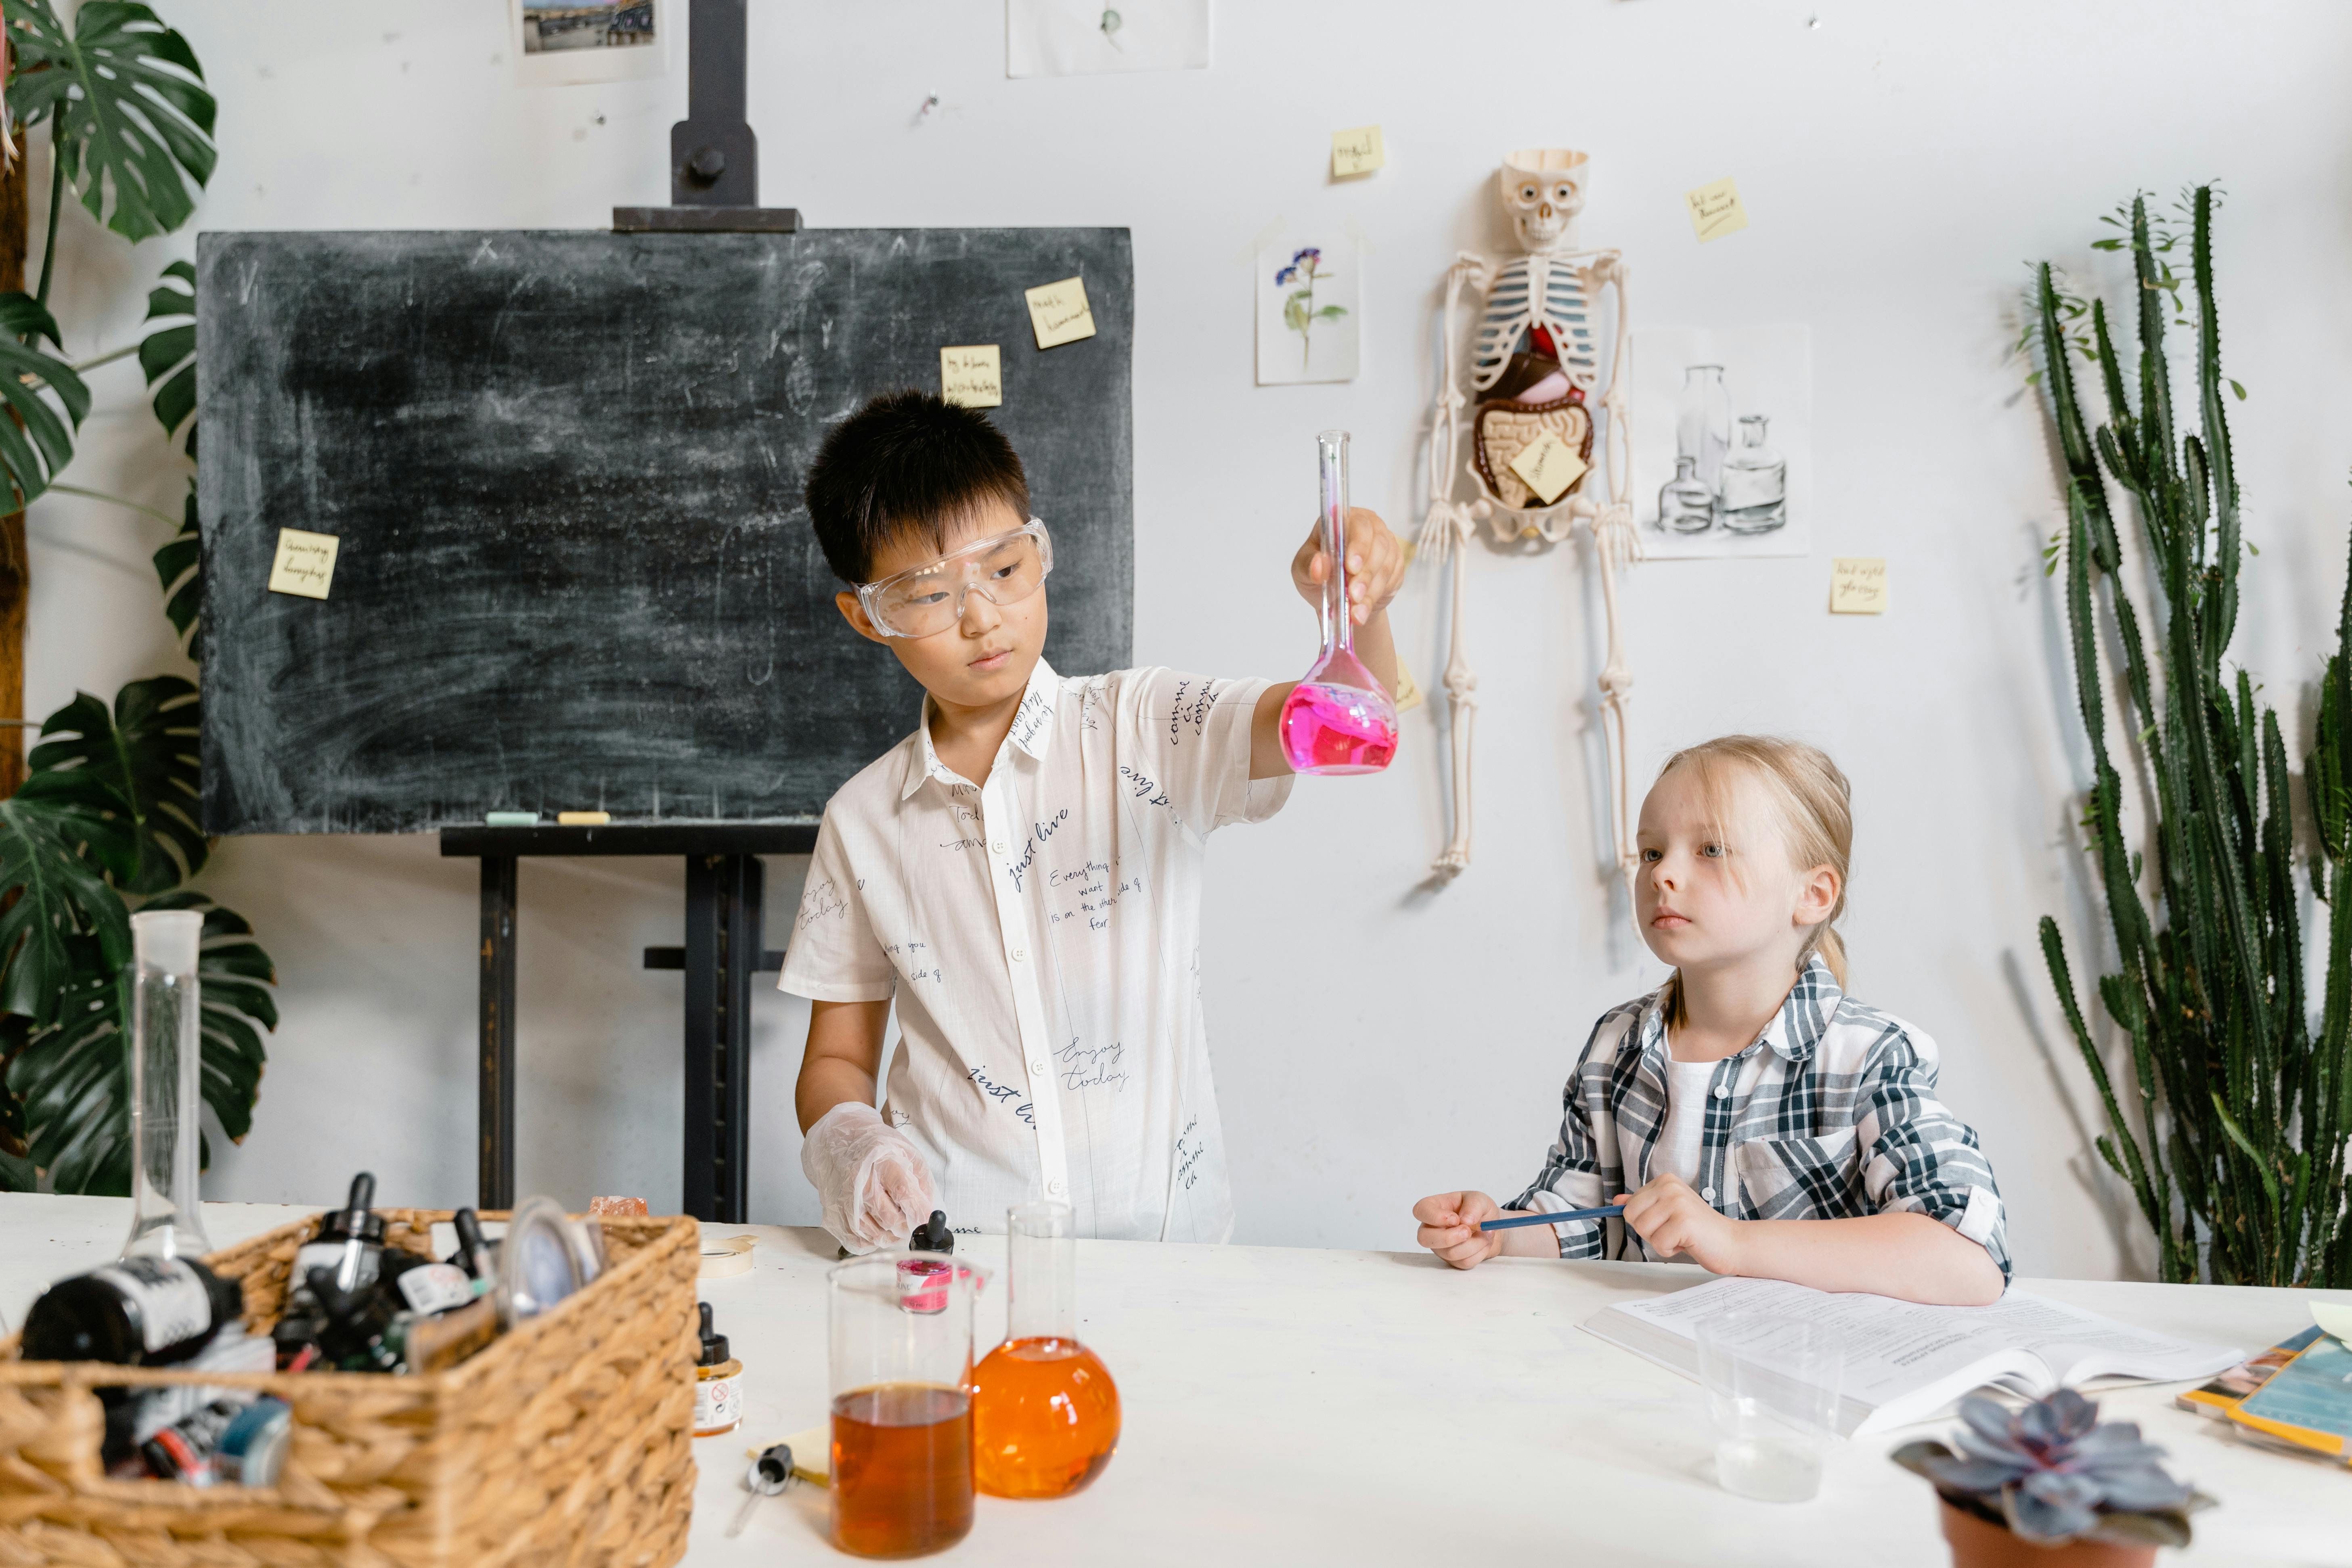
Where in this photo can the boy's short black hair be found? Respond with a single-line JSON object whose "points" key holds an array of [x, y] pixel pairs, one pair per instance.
{"points": [[907, 462]]}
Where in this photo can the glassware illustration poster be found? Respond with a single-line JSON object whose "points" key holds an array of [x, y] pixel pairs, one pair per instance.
{"points": [[1308, 299], [1723, 440]]}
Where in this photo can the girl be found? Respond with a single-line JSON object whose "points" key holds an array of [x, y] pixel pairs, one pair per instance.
{"points": [[1769, 1124]]}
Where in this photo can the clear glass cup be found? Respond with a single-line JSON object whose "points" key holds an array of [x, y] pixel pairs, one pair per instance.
{"points": [[900, 1349], [166, 1058], [1772, 1384]]}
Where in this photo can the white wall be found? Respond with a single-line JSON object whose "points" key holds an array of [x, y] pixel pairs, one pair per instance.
{"points": [[1900, 164]]}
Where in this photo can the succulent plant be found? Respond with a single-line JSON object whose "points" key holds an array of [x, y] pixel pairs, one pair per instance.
{"points": [[2051, 1474]]}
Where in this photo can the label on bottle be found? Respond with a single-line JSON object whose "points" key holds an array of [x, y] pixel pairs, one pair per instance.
{"points": [[717, 1403], [332, 1255], [435, 1287], [172, 1302]]}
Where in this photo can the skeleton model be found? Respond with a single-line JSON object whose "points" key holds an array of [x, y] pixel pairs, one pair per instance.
{"points": [[1534, 370]]}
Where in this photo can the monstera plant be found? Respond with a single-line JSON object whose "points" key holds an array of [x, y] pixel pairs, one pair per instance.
{"points": [[106, 819]]}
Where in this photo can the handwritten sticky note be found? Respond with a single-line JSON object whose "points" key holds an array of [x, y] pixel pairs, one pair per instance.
{"points": [[1060, 314], [305, 562], [1357, 151], [1549, 466], [971, 376], [1714, 210], [1857, 587]]}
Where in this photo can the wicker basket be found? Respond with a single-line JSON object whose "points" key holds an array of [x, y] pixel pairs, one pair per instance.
{"points": [[568, 1441]]}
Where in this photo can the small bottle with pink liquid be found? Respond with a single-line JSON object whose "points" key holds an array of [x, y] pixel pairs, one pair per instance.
{"points": [[1338, 719]]}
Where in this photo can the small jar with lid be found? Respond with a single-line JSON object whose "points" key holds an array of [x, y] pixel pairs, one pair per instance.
{"points": [[718, 1383]]}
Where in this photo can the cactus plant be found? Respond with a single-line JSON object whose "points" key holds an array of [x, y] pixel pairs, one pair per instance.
{"points": [[2236, 1155], [2052, 1473]]}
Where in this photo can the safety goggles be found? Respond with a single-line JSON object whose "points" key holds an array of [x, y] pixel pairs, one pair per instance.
{"points": [[1003, 569]]}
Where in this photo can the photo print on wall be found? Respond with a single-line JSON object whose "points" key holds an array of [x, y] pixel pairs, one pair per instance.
{"points": [[1310, 295], [1081, 37], [1723, 450], [560, 43]]}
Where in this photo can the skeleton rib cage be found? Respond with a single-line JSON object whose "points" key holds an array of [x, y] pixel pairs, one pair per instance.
{"points": [[1510, 317]]}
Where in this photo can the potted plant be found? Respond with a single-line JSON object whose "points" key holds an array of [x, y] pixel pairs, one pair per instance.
{"points": [[2051, 1487]]}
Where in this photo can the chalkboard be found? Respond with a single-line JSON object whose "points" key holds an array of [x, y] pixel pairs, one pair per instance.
{"points": [[574, 570]]}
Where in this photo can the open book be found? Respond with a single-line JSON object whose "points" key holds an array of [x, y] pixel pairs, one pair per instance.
{"points": [[1906, 1363]]}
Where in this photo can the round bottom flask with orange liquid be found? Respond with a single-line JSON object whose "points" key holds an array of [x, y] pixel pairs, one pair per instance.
{"points": [[1044, 1412]]}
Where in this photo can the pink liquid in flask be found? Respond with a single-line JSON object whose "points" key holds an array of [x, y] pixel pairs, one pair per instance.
{"points": [[1338, 719]]}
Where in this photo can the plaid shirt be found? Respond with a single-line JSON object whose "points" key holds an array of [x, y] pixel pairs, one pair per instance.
{"points": [[1831, 1113]]}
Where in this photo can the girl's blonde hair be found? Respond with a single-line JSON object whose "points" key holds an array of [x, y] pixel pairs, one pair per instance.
{"points": [[1811, 799]]}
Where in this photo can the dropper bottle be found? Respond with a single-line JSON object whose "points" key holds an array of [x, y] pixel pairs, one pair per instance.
{"points": [[1044, 1412]]}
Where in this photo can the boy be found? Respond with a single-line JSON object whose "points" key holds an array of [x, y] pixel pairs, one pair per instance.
{"points": [[1021, 873]]}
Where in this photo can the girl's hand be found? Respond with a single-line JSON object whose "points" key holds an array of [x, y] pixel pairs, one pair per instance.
{"points": [[1449, 1228], [1376, 565], [1674, 1221]]}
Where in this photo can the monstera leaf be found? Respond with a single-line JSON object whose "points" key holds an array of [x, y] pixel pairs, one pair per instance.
{"points": [[131, 119], [73, 1076], [183, 585], [168, 354], [36, 444], [62, 836], [145, 751]]}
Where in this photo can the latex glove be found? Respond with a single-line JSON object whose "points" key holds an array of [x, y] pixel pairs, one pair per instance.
{"points": [[872, 1181]]}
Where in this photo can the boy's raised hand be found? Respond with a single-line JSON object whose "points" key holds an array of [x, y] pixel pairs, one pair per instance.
{"points": [[1672, 1220], [1449, 1228], [1376, 564]]}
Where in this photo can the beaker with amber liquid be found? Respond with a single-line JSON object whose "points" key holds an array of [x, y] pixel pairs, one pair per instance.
{"points": [[1044, 1412], [900, 1340]]}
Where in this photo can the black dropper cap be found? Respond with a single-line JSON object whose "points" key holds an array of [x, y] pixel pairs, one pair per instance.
{"points": [[714, 1344], [357, 1218], [932, 1234], [473, 1252]]}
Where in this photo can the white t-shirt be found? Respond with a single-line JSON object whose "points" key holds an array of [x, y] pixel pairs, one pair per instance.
{"points": [[1682, 1139], [1042, 938]]}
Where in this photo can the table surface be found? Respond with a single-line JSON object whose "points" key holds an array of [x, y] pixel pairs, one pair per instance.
{"points": [[1291, 1405]]}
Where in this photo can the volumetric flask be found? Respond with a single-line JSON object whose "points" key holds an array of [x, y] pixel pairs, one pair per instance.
{"points": [[166, 1056], [1044, 1412], [1338, 719], [900, 1378]]}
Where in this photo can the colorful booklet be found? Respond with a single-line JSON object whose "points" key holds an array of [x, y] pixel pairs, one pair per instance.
{"points": [[2307, 1402], [2218, 1398]]}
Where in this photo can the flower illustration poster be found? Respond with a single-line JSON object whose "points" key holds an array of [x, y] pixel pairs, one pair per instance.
{"points": [[1310, 309]]}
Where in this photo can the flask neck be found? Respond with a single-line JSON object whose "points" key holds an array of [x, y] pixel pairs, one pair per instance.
{"points": [[1338, 629], [1042, 1300]]}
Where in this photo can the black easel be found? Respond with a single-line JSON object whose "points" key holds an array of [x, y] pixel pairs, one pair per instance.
{"points": [[714, 158], [714, 187], [725, 885]]}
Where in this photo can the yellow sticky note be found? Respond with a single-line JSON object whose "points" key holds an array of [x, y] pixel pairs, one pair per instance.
{"points": [[1060, 314], [971, 376], [1857, 587], [1357, 151], [1549, 466], [305, 563], [1714, 210], [2334, 1318]]}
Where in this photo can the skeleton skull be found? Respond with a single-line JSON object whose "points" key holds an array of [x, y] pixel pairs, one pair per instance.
{"points": [[1543, 188]]}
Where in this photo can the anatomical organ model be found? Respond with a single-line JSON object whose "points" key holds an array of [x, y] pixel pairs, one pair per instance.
{"points": [[1534, 373]]}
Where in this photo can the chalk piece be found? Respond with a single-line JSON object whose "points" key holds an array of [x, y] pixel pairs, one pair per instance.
{"points": [[305, 562], [1714, 210], [582, 818], [1059, 312], [1857, 587], [511, 818], [1357, 151], [971, 376], [1549, 464]]}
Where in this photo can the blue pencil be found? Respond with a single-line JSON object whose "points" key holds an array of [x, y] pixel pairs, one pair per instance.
{"points": [[1508, 1221]]}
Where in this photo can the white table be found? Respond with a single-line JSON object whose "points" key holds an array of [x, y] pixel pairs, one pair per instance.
{"points": [[1299, 1407]]}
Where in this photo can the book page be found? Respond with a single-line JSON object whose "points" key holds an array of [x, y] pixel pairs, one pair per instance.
{"points": [[1901, 1354]]}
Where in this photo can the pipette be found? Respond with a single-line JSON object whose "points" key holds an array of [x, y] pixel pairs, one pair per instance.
{"points": [[771, 1473]]}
